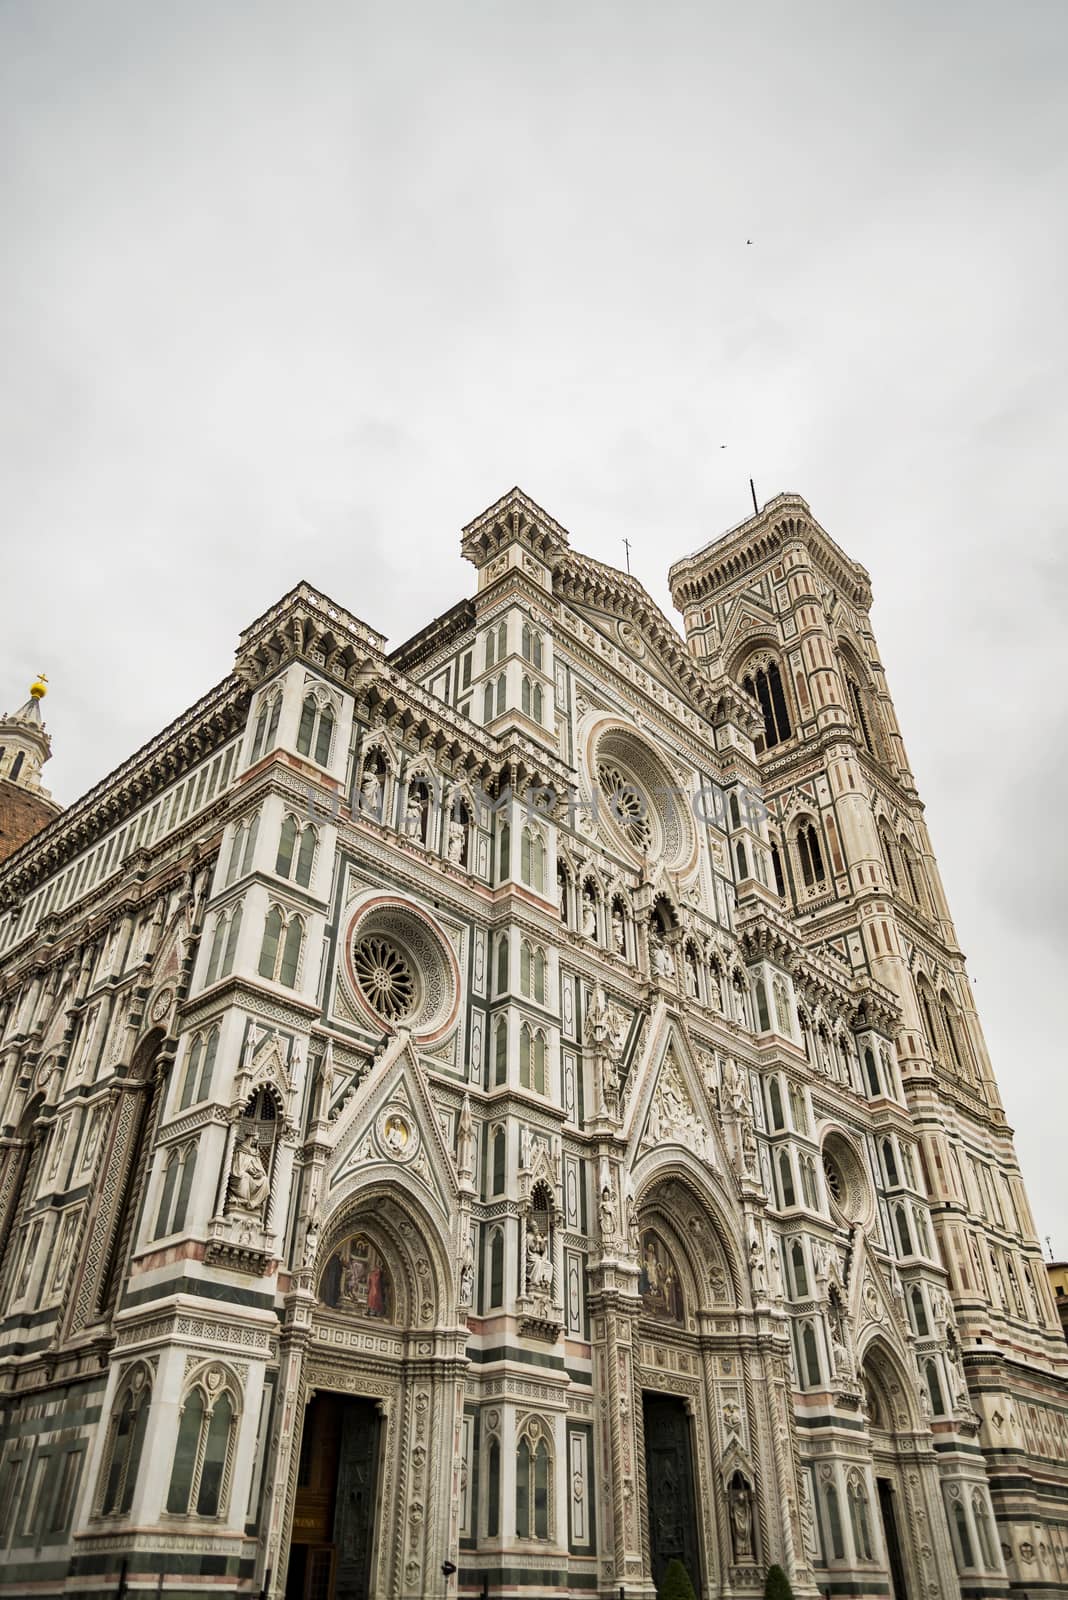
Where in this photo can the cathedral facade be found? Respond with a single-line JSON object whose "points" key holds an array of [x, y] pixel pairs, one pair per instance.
{"points": [[498, 1116]]}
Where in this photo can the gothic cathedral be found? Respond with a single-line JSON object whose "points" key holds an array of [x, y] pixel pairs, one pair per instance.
{"points": [[506, 1114]]}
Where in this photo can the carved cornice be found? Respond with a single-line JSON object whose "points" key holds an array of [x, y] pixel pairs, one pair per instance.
{"points": [[744, 549]]}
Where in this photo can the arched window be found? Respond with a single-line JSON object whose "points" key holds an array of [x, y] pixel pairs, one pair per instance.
{"points": [[223, 944], [810, 855], [834, 1521], [531, 645], [203, 1452], [765, 685], [798, 1269], [500, 1054], [760, 995], [179, 1169], [499, 1147], [266, 725], [953, 1032], [532, 972], [502, 964], [786, 1179], [913, 875], [296, 846], [934, 1388], [532, 699], [493, 1490], [782, 1007], [199, 1067], [534, 859], [504, 852], [778, 1119], [859, 1518], [526, 694], [532, 1476], [810, 1357], [283, 939], [126, 1440], [808, 1182], [901, 1225], [890, 1164], [491, 647], [539, 1062], [926, 998], [871, 1073], [984, 1528], [315, 734], [243, 848], [798, 1111], [563, 884], [502, 691], [964, 1538], [776, 867], [920, 1325], [487, 703], [496, 1272], [740, 861], [886, 841], [502, 640]]}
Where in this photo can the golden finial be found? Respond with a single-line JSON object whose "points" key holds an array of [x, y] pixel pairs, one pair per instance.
{"points": [[39, 687]]}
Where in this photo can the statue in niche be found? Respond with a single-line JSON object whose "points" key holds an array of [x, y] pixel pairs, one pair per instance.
{"points": [[356, 1279], [372, 791], [608, 1215], [457, 843], [467, 1271], [658, 1280], [662, 960], [465, 1142], [758, 1270], [589, 916], [539, 1261], [740, 1499], [249, 1185], [619, 936], [413, 817]]}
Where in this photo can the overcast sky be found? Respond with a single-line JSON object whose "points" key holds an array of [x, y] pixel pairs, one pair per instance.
{"points": [[295, 291]]}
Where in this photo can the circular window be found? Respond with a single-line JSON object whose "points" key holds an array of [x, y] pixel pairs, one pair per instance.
{"points": [[847, 1185], [400, 968], [385, 977], [626, 805], [640, 798]]}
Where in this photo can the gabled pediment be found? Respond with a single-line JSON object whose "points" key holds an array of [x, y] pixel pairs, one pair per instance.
{"points": [[669, 1103], [390, 1128]]}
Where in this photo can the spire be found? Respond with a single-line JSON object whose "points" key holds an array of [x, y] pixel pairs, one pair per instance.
{"points": [[26, 806]]}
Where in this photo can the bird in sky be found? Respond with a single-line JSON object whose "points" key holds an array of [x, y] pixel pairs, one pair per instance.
{"points": [[749, 241]]}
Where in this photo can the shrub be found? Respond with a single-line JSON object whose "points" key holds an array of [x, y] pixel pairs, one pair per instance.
{"points": [[777, 1585], [676, 1584]]}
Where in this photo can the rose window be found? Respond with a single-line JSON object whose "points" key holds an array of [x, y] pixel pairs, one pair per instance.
{"points": [[834, 1178], [385, 977], [626, 804]]}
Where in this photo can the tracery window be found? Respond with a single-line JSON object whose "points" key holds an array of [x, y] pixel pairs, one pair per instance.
{"points": [[953, 1032], [765, 685], [778, 1119], [199, 1066], [283, 940], [834, 1521], [890, 1164], [985, 1530], [913, 875], [532, 699], [532, 972], [315, 734], [203, 1452], [934, 1389], [776, 867], [965, 1553], [810, 855], [125, 1441], [532, 648], [811, 1376], [859, 1517], [532, 1058], [920, 1325], [901, 1226], [223, 944], [871, 1073], [242, 848], [534, 859], [384, 974], [808, 1182], [496, 1272], [532, 1480], [179, 1170], [886, 841], [627, 806], [799, 1270], [266, 725], [487, 703], [296, 850], [502, 964], [500, 1054], [786, 1179]]}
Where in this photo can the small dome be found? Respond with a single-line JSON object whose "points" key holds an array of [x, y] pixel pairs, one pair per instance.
{"points": [[39, 687]]}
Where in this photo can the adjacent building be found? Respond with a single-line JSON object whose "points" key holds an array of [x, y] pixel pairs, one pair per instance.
{"points": [[497, 1115]]}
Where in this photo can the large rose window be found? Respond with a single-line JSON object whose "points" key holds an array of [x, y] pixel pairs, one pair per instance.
{"points": [[639, 796], [400, 968], [385, 977]]}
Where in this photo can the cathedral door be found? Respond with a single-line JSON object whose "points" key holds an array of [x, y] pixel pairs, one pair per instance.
{"points": [[669, 1485], [333, 1518], [893, 1541]]}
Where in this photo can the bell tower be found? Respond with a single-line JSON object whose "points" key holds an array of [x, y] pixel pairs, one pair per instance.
{"points": [[778, 607], [25, 805]]}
